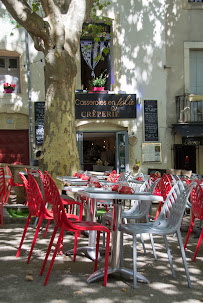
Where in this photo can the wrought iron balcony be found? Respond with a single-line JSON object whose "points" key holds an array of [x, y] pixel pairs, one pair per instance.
{"points": [[189, 108]]}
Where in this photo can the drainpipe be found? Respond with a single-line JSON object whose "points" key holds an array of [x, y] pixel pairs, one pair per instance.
{"points": [[29, 97]]}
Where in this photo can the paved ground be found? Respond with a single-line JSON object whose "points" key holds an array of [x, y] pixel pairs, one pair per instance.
{"points": [[67, 282]]}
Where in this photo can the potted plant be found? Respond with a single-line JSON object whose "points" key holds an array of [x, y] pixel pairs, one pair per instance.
{"points": [[9, 88], [98, 83]]}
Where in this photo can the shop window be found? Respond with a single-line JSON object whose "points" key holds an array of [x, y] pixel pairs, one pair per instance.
{"points": [[9, 72]]}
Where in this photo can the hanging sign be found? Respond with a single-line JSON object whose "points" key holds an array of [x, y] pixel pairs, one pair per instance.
{"points": [[105, 106], [132, 140]]}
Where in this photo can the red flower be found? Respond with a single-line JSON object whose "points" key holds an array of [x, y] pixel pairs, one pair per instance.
{"points": [[10, 86]]}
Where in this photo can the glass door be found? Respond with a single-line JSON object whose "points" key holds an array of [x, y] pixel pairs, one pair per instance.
{"points": [[122, 156]]}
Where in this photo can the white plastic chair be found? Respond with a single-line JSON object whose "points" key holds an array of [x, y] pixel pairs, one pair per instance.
{"points": [[138, 211], [168, 222]]}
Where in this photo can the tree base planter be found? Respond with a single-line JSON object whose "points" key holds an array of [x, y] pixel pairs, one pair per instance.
{"points": [[97, 89], [8, 90]]}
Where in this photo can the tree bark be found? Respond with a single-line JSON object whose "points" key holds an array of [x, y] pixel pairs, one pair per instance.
{"points": [[60, 153]]}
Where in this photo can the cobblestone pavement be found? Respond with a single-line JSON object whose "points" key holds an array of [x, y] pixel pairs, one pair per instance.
{"points": [[67, 282]]}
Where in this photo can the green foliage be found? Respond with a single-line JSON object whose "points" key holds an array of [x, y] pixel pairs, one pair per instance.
{"points": [[36, 5], [99, 81], [16, 213], [98, 29]]}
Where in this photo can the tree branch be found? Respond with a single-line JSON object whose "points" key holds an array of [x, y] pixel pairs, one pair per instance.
{"points": [[74, 22], [24, 15]]}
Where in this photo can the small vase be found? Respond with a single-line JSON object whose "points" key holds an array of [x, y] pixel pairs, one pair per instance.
{"points": [[8, 90], [97, 89]]}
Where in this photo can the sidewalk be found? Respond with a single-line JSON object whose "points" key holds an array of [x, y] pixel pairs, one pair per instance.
{"points": [[67, 282]]}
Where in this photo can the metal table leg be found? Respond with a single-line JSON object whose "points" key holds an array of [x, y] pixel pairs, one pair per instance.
{"points": [[115, 250]]}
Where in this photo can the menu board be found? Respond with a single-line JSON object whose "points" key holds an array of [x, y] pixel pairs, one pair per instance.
{"points": [[151, 120], [151, 152], [39, 122]]}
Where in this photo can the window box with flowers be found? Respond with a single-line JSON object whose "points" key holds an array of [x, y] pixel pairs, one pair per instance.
{"points": [[9, 88], [98, 83]]}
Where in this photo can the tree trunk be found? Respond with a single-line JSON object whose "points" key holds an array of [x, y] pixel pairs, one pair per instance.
{"points": [[60, 153]]}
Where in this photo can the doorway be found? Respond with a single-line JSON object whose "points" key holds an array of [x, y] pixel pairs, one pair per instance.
{"points": [[185, 157], [102, 151], [14, 147]]}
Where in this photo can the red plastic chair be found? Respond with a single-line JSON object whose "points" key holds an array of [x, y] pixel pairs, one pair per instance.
{"points": [[196, 198], [155, 176], [162, 188], [66, 202], [36, 208], [12, 184], [113, 177], [2, 192], [62, 222]]}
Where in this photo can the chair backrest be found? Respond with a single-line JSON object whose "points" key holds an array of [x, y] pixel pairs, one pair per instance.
{"points": [[58, 208], [113, 177], [2, 184], [196, 199], [154, 176], [163, 187], [35, 200], [47, 194], [122, 177], [60, 217], [146, 185], [9, 173], [25, 181], [173, 209]]}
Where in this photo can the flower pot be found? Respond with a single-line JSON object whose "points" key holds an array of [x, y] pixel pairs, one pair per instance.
{"points": [[8, 90], [97, 89]]}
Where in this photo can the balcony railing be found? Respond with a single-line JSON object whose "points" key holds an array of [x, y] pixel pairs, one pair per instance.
{"points": [[189, 108]]}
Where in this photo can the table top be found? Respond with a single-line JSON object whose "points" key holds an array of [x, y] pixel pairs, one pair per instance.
{"points": [[72, 180], [107, 194], [75, 188]]}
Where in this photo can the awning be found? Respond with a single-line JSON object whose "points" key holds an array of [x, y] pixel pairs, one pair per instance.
{"points": [[189, 130]]}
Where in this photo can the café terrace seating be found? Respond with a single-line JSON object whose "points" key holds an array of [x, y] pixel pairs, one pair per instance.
{"points": [[168, 222], [63, 223], [37, 208], [68, 202]]}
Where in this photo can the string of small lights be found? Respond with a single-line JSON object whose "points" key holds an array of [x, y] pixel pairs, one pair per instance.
{"points": [[40, 60]]}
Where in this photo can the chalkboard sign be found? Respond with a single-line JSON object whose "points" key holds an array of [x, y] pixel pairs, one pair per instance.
{"points": [[39, 122], [150, 120]]}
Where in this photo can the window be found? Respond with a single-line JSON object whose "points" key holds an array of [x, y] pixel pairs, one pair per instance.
{"points": [[193, 63], [90, 50], [91, 68], [9, 72], [196, 72], [192, 4]]}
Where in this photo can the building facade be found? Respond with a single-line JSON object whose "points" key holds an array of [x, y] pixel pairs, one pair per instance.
{"points": [[155, 54]]}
